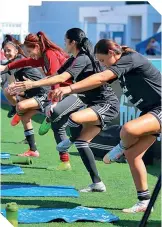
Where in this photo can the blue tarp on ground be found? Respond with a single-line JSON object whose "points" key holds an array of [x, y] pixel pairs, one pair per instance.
{"points": [[26, 190], [44, 215]]}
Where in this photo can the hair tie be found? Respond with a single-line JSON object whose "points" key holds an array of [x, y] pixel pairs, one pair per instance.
{"points": [[39, 35], [83, 41]]}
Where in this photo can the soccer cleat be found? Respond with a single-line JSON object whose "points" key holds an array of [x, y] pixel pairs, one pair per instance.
{"points": [[15, 120], [140, 206], [64, 145], [12, 112], [122, 159], [30, 153], [113, 155], [95, 187], [64, 166], [45, 127]]}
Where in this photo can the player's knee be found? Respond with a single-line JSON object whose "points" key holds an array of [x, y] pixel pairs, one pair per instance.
{"points": [[126, 131], [74, 117], [20, 107]]}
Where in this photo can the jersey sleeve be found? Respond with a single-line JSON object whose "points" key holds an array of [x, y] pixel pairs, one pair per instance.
{"points": [[24, 63], [51, 62], [66, 65], [77, 66], [123, 66]]}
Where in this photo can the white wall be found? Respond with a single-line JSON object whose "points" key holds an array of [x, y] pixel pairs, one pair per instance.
{"points": [[14, 16], [122, 14]]}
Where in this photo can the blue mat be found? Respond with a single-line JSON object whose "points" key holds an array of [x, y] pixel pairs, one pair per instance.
{"points": [[44, 215], [10, 169], [4, 155], [26, 190]]}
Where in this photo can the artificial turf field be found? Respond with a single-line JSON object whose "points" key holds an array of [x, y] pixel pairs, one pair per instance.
{"points": [[120, 188]]}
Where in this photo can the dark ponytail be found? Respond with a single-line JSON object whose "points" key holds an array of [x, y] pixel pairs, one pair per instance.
{"points": [[104, 45], [83, 43]]}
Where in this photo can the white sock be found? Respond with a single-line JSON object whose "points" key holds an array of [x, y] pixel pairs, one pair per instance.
{"points": [[121, 145]]}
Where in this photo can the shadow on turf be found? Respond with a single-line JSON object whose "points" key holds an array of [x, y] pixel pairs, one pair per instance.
{"points": [[108, 208], [18, 183], [151, 169], [41, 203], [13, 142], [130, 223]]}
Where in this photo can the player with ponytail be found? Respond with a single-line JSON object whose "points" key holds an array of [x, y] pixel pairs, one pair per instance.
{"points": [[140, 81], [44, 53], [27, 103], [100, 106]]}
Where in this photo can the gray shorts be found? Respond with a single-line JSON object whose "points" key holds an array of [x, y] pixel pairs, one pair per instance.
{"points": [[68, 105], [43, 101], [106, 113]]}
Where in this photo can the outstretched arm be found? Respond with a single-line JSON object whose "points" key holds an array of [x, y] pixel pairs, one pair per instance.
{"points": [[48, 81], [94, 81], [51, 80], [21, 64], [89, 83]]}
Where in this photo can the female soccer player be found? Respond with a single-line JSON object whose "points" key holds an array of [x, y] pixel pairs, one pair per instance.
{"points": [[28, 103], [101, 105], [44, 53], [5, 80], [141, 83]]}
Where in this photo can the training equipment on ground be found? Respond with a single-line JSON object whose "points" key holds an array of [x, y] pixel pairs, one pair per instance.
{"points": [[22, 160], [29, 190], [12, 213], [10, 169], [44, 215]]}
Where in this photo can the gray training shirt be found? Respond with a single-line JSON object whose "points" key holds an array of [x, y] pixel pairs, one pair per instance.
{"points": [[139, 79]]}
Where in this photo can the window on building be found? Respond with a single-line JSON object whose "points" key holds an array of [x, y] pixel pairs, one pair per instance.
{"points": [[136, 2]]}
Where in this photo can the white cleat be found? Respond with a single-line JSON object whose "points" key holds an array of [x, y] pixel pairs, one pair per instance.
{"points": [[140, 206], [95, 187], [113, 155]]}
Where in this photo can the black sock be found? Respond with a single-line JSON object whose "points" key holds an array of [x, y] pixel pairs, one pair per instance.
{"points": [[143, 195], [48, 120], [13, 108], [29, 134], [75, 129], [88, 159]]}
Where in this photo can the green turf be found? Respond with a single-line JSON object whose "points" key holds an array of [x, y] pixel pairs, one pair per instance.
{"points": [[120, 189]]}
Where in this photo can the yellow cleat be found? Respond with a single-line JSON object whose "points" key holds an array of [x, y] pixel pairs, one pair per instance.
{"points": [[63, 166]]}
